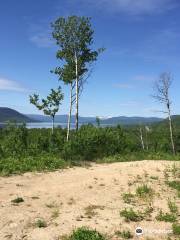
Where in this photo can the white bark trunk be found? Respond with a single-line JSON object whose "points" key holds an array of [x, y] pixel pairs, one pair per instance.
{"points": [[171, 130], [53, 125], [70, 113], [141, 137], [77, 94]]}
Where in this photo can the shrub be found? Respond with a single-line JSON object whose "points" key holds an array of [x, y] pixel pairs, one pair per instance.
{"points": [[17, 200], [40, 223], [172, 207], [166, 217], [144, 190], [176, 229], [174, 184], [131, 215], [124, 234], [84, 233], [128, 197]]}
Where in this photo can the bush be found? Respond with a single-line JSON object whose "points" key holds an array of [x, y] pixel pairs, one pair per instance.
{"points": [[84, 233], [131, 215], [124, 234], [19, 165], [176, 229], [144, 190], [166, 217]]}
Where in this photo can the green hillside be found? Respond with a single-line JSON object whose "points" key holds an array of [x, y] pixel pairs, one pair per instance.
{"points": [[8, 114]]}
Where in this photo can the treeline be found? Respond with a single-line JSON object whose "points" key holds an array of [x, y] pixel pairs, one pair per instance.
{"points": [[23, 149]]}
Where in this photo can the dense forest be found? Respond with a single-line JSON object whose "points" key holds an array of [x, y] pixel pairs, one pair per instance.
{"points": [[23, 149]]}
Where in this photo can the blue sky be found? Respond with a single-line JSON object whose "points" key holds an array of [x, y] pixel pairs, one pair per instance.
{"points": [[141, 37]]}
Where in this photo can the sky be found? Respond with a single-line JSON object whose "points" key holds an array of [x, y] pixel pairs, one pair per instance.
{"points": [[141, 38]]}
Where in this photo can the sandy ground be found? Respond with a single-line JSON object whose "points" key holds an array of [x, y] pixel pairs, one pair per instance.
{"points": [[76, 197]]}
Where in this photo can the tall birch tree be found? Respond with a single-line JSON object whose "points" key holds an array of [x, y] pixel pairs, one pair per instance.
{"points": [[74, 37]]}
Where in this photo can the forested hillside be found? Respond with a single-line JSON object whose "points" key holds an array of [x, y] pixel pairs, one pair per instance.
{"points": [[8, 114]]}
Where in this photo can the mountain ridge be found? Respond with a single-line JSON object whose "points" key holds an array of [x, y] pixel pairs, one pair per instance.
{"points": [[109, 121]]}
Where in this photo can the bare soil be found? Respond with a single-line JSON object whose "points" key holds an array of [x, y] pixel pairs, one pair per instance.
{"points": [[76, 197]]}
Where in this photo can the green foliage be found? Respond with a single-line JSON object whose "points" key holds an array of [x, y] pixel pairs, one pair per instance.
{"points": [[128, 197], [173, 207], [23, 149], [40, 223], [84, 233], [174, 184], [43, 162], [144, 190], [91, 143], [50, 105], [124, 234], [176, 229], [17, 200], [131, 215], [166, 217]]}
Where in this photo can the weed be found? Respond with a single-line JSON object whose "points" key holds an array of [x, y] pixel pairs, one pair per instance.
{"points": [[131, 215], [124, 234], [172, 207], [128, 197], [55, 213], [17, 200], [176, 229], [34, 198], [84, 233], [174, 184], [166, 217], [90, 210], [40, 223], [144, 191], [51, 205], [154, 177]]}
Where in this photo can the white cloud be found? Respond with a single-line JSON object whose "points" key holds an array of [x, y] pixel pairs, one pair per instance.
{"points": [[123, 86], [144, 78], [135, 6], [10, 85], [42, 40]]}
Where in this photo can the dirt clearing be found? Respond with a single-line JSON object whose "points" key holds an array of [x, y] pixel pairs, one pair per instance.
{"points": [[48, 205]]}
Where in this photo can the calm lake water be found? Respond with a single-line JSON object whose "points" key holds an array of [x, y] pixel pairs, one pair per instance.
{"points": [[49, 125]]}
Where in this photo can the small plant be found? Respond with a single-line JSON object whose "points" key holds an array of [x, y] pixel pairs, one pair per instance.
{"points": [[143, 191], [166, 217], [51, 205], [84, 233], [128, 197], [174, 184], [154, 177], [55, 213], [40, 223], [131, 215], [124, 234], [17, 200], [35, 197], [90, 210], [176, 229], [172, 207]]}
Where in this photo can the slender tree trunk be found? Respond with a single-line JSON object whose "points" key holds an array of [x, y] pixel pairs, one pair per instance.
{"points": [[70, 112], [171, 129], [77, 94], [52, 124], [141, 137], [147, 144]]}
